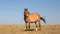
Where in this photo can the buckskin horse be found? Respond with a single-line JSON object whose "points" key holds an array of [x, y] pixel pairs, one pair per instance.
{"points": [[32, 18]]}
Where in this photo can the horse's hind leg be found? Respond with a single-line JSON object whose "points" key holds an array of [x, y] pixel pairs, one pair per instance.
{"points": [[36, 25], [39, 25]]}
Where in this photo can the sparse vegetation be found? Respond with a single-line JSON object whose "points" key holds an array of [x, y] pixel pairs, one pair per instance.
{"points": [[20, 29]]}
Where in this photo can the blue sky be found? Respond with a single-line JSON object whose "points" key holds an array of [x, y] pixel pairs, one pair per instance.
{"points": [[11, 11]]}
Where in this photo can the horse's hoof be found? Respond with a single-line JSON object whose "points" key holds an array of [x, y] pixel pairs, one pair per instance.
{"points": [[25, 29], [36, 29]]}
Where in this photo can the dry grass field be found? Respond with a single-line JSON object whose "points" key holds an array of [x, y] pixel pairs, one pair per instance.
{"points": [[20, 29]]}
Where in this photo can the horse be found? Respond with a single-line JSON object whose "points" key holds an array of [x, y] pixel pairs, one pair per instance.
{"points": [[32, 18]]}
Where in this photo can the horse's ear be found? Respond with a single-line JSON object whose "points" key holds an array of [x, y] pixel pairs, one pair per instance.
{"points": [[25, 9]]}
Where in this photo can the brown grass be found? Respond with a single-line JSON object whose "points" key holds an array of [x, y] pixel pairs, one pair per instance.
{"points": [[20, 29]]}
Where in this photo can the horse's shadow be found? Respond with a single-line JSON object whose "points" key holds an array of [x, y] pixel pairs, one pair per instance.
{"points": [[31, 29]]}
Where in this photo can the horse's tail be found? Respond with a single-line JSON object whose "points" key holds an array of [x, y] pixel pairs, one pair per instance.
{"points": [[43, 19]]}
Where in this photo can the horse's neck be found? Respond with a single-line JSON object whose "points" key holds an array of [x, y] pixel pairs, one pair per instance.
{"points": [[28, 13]]}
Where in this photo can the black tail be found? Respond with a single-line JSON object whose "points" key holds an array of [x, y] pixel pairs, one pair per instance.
{"points": [[43, 19]]}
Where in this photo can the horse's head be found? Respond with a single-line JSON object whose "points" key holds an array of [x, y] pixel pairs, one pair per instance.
{"points": [[26, 12]]}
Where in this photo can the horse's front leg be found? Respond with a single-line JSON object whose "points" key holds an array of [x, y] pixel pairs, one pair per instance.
{"points": [[29, 25], [26, 26]]}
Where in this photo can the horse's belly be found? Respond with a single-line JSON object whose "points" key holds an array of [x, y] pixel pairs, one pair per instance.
{"points": [[33, 20]]}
